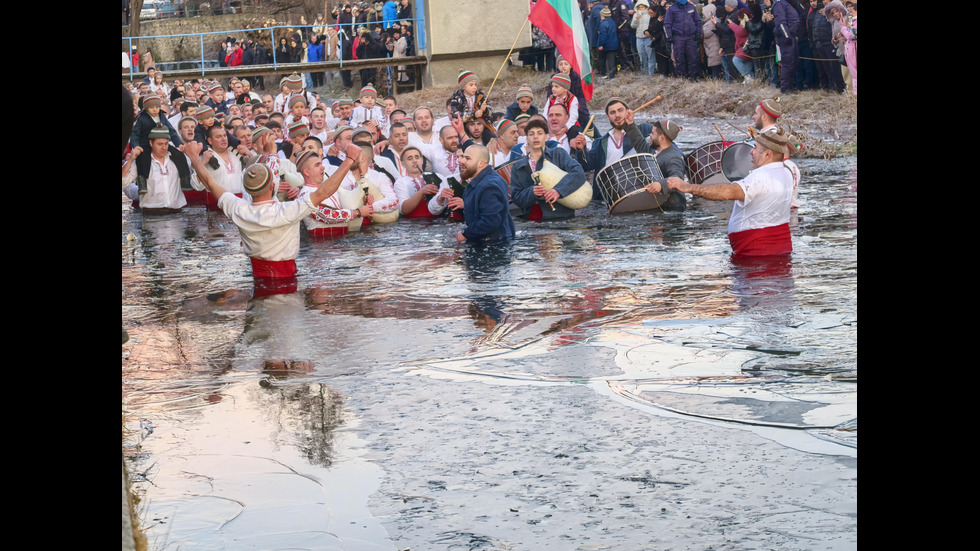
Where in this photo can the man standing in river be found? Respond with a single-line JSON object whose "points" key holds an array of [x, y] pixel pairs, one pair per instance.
{"points": [[759, 225], [484, 201]]}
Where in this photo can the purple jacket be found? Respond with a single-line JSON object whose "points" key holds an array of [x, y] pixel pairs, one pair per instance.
{"points": [[786, 20], [682, 21]]}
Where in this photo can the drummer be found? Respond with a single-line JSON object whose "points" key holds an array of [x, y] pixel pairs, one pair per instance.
{"points": [[670, 158], [759, 225], [765, 116], [535, 201], [613, 145]]}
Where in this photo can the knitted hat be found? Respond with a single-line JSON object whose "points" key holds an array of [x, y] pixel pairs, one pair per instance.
{"points": [[259, 132], [559, 59], [158, 132], [298, 128], [293, 82], [776, 140], [466, 77], [613, 100], [305, 156], [186, 118], [214, 87], [521, 117], [368, 91], [150, 101], [294, 99], [561, 79], [204, 112], [256, 178], [346, 100], [504, 124], [670, 128], [771, 107], [606, 12]]}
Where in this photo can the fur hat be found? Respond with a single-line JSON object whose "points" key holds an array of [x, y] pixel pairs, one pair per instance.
{"points": [[258, 132], [771, 107], [776, 140], [303, 157], [830, 7], [465, 77], [256, 178], [669, 128]]}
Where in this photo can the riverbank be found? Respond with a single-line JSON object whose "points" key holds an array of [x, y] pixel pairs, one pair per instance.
{"points": [[825, 122]]}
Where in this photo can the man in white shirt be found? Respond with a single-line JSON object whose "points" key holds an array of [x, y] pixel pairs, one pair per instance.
{"points": [[163, 190], [269, 229], [424, 133], [418, 195], [444, 156]]}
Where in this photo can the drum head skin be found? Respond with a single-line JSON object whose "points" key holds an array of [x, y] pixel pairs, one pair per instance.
{"points": [[736, 161], [622, 184], [704, 162]]}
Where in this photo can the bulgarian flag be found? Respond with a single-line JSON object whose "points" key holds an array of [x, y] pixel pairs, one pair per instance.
{"points": [[561, 20]]}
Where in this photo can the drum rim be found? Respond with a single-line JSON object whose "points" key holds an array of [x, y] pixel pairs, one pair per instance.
{"points": [[634, 192], [741, 143]]}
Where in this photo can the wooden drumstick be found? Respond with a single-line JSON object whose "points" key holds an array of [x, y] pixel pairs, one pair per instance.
{"points": [[588, 125], [718, 130], [648, 104]]}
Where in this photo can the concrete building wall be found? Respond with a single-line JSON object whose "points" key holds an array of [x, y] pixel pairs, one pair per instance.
{"points": [[474, 35]]}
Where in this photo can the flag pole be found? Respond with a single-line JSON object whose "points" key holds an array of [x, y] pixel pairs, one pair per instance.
{"points": [[516, 38]]}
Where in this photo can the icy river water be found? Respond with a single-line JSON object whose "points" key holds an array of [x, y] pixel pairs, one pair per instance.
{"points": [[606, 382]]}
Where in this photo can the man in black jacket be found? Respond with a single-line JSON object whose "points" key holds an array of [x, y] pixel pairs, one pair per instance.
{"points": [[821, 42]]}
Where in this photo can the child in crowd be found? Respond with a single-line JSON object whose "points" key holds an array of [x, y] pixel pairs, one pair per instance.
{"points": [[524, 103], [367, 113], [560, 84], [468, 102], [297, 110], [147, 120]]}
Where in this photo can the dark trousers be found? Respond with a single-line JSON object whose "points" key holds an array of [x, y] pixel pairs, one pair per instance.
{"points": [[687, 61], [609, 62], [345, 76], [789, 56], [806, 69], [665, 66], [828, 68], [627, 53]]}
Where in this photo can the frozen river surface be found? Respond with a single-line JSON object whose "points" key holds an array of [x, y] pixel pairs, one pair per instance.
{"points": [[608, 382]]}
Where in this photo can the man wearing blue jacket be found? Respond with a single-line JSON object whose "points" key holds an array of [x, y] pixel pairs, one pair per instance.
{"points": [[389, 12], [683, 28], [786, 21], [484, 201]]}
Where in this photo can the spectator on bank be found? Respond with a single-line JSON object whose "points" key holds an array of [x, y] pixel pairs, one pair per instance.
{"points": [[644, 46], [315, 54], [712, 44], [607, 42]]}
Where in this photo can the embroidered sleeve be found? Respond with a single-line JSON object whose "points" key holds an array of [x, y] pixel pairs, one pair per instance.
{"points": [[328, 215]]}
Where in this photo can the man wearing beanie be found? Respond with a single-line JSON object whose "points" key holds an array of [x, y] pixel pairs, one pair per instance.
{"points": [[269, 229], [683, 27], [759, 225], [670, 158], [330, 218], [222, 164], [766, 114]]}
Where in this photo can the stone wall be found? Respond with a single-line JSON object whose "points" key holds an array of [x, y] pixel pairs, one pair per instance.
{"points": [[474, 36]]}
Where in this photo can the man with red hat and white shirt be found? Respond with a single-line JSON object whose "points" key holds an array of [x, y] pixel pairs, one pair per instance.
{"points": [[764, 118]]}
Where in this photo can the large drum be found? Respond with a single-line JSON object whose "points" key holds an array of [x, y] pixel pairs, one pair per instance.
{"points": [[736, 161], [622, 184], [705, 161]]}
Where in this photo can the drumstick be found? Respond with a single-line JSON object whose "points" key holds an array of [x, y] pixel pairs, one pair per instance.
{"points": [[752, 132], [589, 125], [648, 104], [719, 132]]}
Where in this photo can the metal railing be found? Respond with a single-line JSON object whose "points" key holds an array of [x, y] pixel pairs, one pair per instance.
{"points": [[286, 31]]}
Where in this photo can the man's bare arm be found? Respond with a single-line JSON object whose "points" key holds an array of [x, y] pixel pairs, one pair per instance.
{"points": [[716, 192]]}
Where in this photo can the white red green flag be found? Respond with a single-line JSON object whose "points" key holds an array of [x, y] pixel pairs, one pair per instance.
{"points": [[562, 21]]}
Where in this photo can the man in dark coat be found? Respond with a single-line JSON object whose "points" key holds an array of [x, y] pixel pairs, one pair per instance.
{"points": [[683, 27], [821, 42], [484, 200], [670, 159]]}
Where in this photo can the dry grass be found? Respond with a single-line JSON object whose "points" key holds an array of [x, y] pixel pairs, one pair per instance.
{"points": [[807, 114]]}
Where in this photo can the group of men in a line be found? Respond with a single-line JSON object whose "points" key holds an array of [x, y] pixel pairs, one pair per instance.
{"points": [[287, 163]]}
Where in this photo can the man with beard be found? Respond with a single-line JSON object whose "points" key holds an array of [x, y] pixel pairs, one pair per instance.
{"points": [[444, 156], [764, 118], [423, 127], [484, 201], [558, 126], [613, 145], [507, 136], [413, 188], [670, 158], [759, 225], [536, 202]]}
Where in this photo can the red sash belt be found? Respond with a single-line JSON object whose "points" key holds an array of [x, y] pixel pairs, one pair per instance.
{"points": [[196, 197], [769, 241], [272, 269], [535, 213], [421, 210], [330, 231]]}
